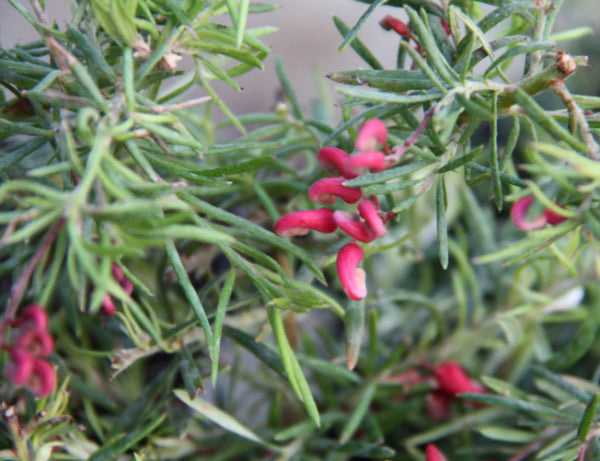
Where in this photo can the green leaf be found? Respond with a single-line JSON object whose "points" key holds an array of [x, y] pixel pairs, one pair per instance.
{"points": [[189, 290], [360, 410], [504, 434], [588, 417], [111, 449], [224, 297], [442, 225], [358, 46], [221, 418], [117, 18], [354, 31], [354, 323], [192, 379]]}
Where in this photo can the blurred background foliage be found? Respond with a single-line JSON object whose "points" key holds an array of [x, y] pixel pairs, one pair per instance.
{"points": [[231, 345]]}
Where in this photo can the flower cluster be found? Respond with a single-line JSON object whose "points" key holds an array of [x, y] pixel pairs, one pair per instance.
{"points": [[519, 210], [364, 225], [30, 345]]}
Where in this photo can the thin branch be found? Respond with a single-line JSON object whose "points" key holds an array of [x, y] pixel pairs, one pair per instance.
{"points": [[578, 117]]}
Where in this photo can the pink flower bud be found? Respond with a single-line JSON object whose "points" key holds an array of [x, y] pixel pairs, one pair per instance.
{"points": [[36, 343], [453, 380], [327, 191], [369, 213], [19, 368], [373, 161], [372, 132], [300, 222], [351, 224], [42, 379], [33, 317], [108, 306], [432, 453], [351, 277], [333, 161], [518, 212]]}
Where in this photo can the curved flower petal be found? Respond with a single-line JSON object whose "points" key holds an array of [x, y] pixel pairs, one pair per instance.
{"points": [[20, 367], [333, 161], [33, 317], [42, 379], [300, 222], [351, 276], [353, 226], [327, 191], [369, 213], [518, 212], [36, 343], [433, 453], [372, 132], [373, 161]]}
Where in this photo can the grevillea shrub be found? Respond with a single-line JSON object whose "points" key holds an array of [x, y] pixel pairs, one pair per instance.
{"points": [[414, 277]]}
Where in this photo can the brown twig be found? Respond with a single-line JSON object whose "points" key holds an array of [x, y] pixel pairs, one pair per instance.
{"points": [[576, 116]]}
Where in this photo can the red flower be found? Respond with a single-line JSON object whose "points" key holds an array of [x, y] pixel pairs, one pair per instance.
{"points": [[351, 276], [25, 370], [42, 379], [36, 343], [432, 453], [395, 24], [369, 213], [327, 191], [351, 224], [33, 317], [372, 132], [333, 161], [519, 211], [453, 380], [19, 368], [300, 222], [359, 164]]}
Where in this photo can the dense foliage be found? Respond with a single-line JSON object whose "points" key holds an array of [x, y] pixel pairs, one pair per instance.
{"points": [[154, 312]]}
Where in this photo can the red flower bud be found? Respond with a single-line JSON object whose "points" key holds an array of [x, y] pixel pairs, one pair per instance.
{"points": [[395, 24], [453, 380], [333, 161], [300, 222], [327, 191], [373, 161], [372, 132], [432, 453], [351, 277], [369, 213], [351, 224]]}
